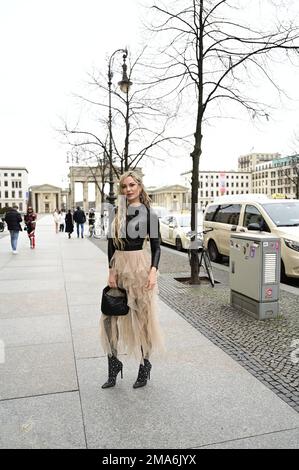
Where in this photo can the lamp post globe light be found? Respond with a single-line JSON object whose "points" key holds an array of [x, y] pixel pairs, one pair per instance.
{"points": [[124, 85]]}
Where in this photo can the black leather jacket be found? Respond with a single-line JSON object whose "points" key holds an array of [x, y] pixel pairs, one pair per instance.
{"points": [[141, 222]]}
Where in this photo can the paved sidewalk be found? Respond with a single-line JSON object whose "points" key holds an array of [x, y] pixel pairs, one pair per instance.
{"points": [[50, 395]]}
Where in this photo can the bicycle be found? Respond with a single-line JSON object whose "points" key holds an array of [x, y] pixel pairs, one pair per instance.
{"points": [[99, 229], [204, 258]]}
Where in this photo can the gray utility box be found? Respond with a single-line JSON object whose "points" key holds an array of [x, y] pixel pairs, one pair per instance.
{"points": [[254, 276]]}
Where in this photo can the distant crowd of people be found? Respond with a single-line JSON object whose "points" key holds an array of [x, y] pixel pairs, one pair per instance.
{"points": [[64, 222]]}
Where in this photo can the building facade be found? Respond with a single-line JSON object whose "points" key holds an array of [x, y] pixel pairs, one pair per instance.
{"points": [[248, 162], [14, 187], [175, 197], [45, 198], [218, 183], [277, 178]]}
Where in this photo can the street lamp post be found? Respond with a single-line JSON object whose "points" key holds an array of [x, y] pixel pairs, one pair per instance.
{"points": [[124, 85]]}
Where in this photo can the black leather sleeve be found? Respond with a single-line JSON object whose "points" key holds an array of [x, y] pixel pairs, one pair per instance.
{"points": [[154, 234], [111, 250]]}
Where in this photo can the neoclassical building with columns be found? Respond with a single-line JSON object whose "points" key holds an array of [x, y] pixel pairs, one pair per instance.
{"points": [[45, 198]]}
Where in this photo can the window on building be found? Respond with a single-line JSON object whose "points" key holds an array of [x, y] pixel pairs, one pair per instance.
{"points": [[5, 183], [5, 174], [13, 194], [6, 194], [19, 174], [12, 174], [20, 194], [21, 206]]}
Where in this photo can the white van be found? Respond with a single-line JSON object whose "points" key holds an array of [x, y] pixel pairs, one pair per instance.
{"points": [[241, 213]]}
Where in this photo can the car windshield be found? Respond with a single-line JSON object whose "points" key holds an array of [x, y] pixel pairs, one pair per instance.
{"points": [[184, 220], [283, 214]]}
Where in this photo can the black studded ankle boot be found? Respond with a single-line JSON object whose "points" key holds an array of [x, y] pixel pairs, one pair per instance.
{"points": [[114, 367], [144, 374]]}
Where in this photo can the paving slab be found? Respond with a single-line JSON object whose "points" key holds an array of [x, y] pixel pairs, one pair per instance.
{"points": [[35, 330], [44, 422], [37, 370], [275, 440], [85, 330], [26, 285], [47, 302]]}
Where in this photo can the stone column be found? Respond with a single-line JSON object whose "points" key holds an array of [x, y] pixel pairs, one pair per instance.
{"points": [[71, 201], [85, 196]]}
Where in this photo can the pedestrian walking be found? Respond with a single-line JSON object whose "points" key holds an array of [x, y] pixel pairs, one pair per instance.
{"points": [[56, 220], [30, 221], [91, 221], [132, 268], [80, 219], [13, 219], [61, 221], [69, 223]]}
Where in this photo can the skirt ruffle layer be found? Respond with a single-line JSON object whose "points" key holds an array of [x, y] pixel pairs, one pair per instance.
{"points": [[140, 327]]}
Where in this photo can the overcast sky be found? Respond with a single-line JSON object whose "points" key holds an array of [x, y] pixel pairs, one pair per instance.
{"points": [[48, 46]]}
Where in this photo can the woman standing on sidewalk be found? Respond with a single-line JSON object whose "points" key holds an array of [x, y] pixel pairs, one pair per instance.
{"points": [[132, 268], [30, 221], [56, 220], [69, 223]]}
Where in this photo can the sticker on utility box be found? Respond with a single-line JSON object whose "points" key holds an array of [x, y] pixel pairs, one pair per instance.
{"points": [[268, 293], [252, 251]]}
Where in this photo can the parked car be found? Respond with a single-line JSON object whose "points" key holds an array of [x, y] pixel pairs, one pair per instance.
{"points": [[176, 230], [280, 217], [160, 211]]}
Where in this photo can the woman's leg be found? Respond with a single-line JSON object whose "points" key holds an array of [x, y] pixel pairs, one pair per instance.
{"points": [[114, 365]]}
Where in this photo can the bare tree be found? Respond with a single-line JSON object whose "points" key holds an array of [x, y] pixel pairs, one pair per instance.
{"points": [[140, 122], [208, 54]]}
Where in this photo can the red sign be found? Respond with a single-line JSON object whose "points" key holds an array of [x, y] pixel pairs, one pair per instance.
{"points": [[268, 292]]}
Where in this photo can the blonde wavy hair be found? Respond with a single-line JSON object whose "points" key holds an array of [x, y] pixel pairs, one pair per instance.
{"points": [[119, 222]]}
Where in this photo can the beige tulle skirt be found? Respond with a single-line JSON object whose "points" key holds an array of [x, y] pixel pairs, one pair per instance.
{"points": [[139, 331]]}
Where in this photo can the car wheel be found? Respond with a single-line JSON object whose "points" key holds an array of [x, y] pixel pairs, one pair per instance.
{"points": [[178, 244], [213, 251]]}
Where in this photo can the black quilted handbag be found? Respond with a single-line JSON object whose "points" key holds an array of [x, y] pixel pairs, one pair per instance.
{"points": [[114, 301]]}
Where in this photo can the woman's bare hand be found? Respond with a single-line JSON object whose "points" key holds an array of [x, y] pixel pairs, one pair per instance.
{"points": [[152, 279], [112, 279]]}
